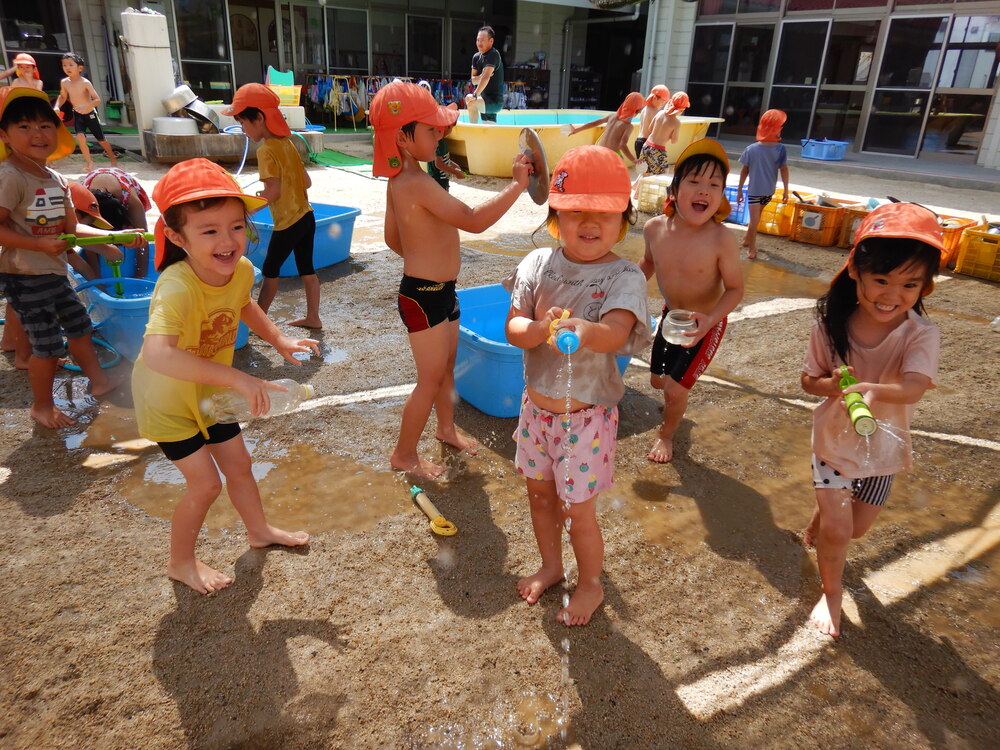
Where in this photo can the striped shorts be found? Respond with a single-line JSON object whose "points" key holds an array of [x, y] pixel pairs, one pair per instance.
{"points": [[871, 490], [47, 306]]}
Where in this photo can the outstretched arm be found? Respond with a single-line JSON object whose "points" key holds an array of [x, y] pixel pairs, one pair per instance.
{"points": [[264, 327], [574, 129], [452, 211]]}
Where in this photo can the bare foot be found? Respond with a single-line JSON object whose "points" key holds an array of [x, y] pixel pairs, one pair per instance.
{"points": [[751, 252], [274, 535], [457, 440], [662, 450], [808, 537], [198, 576], [314, 323], [51, 417], [532, 587], [19, 363], [585, 600], [110, 383], [422, 469], [826, 618]]}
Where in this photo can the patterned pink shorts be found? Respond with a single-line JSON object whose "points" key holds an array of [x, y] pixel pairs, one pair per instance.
{"points": [[577, 452]]}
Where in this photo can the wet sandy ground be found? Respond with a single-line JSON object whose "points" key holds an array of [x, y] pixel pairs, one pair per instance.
{"points": [[383, 635]]}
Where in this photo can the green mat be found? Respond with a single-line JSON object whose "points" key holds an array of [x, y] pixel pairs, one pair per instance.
{"points": [[338, 159]]}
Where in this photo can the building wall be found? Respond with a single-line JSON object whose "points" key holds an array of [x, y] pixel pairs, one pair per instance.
{"points": [[540, 27], [669, 43]]}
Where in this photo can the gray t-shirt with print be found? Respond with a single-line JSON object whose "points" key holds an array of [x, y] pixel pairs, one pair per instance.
{"points": [[545, 279]]}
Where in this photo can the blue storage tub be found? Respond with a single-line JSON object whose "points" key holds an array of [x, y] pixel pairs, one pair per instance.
{"points": [[489, 372], [121, 321], [334, 227], [823, 150], [741, 213]]}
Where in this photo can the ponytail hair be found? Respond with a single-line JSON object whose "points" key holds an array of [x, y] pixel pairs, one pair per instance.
{"points": [[877, 255]]}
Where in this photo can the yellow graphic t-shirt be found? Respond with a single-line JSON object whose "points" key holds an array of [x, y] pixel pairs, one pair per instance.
{"points": [[205, 319], [277, 157]]}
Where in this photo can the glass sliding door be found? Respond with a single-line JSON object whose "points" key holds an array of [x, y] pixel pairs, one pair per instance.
{"points": [[203, 42], [797, 74], [748, 69], [425, 47], [847, 69]]}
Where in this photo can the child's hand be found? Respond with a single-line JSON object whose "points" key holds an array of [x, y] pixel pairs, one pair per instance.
{"points": [[522, 170], [111, 253], [739, 196], [51, 245], [254, 390], [137, 240], [286, 346], [698, 333], [784, 196]]}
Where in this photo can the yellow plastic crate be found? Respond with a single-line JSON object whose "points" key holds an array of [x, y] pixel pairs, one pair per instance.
{"points": [[952, 229], [652, 193], [853, 217], [776, 218], [818, 225], [979, 253], [289, 95]]}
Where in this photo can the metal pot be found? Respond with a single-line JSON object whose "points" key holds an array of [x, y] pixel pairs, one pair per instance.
{"points": [[180, 98], [207, 119], [174, 126]]}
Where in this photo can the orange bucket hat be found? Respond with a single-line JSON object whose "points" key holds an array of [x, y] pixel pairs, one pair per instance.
{"points": [[395, 105], [902, 220], [678, 103], [260, 97], [194, 180], [712, 148], [631, 106], [590, 178], [65, 145], [84, 200], [657, 92], [771, 123], [25, 59]]}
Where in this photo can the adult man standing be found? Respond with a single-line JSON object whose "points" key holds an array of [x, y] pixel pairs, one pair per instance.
{"points": [[487, 75]]}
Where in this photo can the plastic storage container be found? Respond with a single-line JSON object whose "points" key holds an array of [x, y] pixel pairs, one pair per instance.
{"points": [[952, 229], [741, 213], [228, 406], [489, 372], [823, 150], [334, 227], [853, 216], [653, 192], [776, 218], [289, 95], [979, 253], [818, 225]]}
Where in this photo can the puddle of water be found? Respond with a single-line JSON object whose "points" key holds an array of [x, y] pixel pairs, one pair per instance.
{"points": [[303, 489]]}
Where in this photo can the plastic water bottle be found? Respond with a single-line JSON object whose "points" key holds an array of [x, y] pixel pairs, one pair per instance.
{"points": [[995, 325], [230, 406], [861, 416], [567, 341]]}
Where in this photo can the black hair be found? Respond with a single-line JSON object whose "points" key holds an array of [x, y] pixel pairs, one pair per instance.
{"points": [[489, 32], [410, 129], [176, 216], [111, 209], [28, 109], [75, 58], [629, 216], [696, 165], [250, 113], [879, 255]]}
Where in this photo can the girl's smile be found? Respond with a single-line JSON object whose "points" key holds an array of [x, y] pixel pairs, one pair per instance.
{"points": [[887, 297], [214, 240], [588, 236]]}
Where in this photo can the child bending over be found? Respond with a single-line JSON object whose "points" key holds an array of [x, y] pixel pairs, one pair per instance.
{"points": [[566, 441], [421, 225], [201, 296], [870, 320]]}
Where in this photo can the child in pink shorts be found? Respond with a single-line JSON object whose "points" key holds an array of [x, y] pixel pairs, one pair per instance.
{"points": [[566, 440]]}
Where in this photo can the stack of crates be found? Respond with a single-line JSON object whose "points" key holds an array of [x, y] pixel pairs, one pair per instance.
{"points": [[979, 253], [776, 218], [952, 230], [853, 216], [740, 213], [818, 225], [653, 192]]}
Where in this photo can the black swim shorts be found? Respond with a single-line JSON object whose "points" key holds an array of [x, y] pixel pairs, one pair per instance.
{"points": [[423, 303]]}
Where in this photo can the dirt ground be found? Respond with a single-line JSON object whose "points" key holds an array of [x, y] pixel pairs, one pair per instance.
{"points": [[382, 635]]}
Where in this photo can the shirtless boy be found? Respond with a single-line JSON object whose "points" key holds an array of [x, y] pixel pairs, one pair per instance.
{"points": [[697, 265], [81, 94], [665, 129], [24, 73], [617, 126], [421, 225]]}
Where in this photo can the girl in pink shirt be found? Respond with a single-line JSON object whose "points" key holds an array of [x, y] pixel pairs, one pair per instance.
{"points": [[870, 320]]}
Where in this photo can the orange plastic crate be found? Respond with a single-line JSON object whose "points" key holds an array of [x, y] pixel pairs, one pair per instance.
{"points": [[953, 227], [818, 225], [852, 219], [979, 253], [776, 218]]}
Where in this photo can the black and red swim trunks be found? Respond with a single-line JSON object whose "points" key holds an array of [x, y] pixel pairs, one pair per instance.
{"points": [[423, 303], [684, 364]]}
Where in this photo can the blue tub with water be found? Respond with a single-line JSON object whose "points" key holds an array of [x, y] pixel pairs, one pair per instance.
{"points": [[334, 227], [121, 319], [489, 372]]}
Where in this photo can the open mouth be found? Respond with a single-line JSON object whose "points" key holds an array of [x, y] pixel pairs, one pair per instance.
{"points": [[885, 308], [225, 257], [699, 206]]}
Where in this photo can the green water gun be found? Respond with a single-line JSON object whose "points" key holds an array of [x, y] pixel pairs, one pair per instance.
{"points": [[121, 238], [861, 416]]}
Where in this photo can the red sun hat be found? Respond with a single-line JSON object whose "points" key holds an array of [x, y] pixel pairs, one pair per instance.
{"points": [[678, 103], [194, 180], [770, 125], [659, 91], [395, 105], [259, 96], [631, 106], [901, 220], [590, 178], [65, 145], [84, 200], [25, 59]]}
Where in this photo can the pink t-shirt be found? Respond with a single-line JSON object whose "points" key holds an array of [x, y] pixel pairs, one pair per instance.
{"points": [[912, 347]]}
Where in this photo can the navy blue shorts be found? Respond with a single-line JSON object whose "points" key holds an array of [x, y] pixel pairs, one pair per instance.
{"points": [[47, 306], [298, 239], [220, 432]]}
